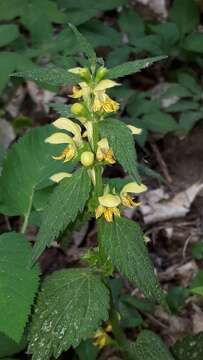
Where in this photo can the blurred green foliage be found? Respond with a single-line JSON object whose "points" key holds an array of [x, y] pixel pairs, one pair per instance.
{"points": [[35, 33]]}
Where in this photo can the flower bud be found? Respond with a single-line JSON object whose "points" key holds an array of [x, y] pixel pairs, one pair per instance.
{"points": [[77, 109], [101, 72], [87, 158]]}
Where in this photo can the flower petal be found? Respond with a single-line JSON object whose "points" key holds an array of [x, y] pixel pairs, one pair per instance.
{"points": [[76, 70], [103, 144], [134, 187], [134, 130], [67, 124], [109, 200], [60, 176], [59, 138], [105, 84]]}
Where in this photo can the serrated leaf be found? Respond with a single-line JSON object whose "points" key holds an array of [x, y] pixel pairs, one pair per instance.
{"points": [[148, 346], [70, 308], [132, 67], [123, 242], [85, 46], [8, 33], [18, 284], [68, 199], [121, 141], [28, 163], [189, 348], [183, 105], [52, 76]]}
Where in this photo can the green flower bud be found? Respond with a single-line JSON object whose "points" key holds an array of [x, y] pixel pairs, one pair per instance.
{"points": [[87, 158], [77, 109], [101, 72]]}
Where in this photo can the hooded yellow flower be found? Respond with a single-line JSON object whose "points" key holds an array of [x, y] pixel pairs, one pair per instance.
{"points": [[101, 336], [101, 101], [131, 188], [108, 207], [73, 142], [104, 152]]}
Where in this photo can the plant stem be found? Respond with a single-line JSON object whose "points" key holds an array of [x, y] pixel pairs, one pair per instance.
{"points": [[27, 215], [116, 328]]}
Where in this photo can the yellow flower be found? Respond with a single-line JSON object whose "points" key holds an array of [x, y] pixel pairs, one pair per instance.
{"points": [[83, 91], [108, 207], [133, 187], [101, 336], [73, 142], [102, 102], [60, 176], [104, 152], [101, 339], [134, 130]]}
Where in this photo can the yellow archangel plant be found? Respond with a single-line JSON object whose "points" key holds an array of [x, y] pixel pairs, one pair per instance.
{"points": [[83, 144]]}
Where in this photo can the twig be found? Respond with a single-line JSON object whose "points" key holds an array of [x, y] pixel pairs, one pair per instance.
{"points": [[161, 163], [185, 246]]}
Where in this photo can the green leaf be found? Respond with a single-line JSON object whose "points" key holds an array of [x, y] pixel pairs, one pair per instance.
{"points": [[168, 33], [67, 200], [62, 109], [99, 34], [176, 298], [8, 33], [177, 90], [86, 350], [148, 346], [190, 83], [70, 308], [194, 42], [18, 284], [196, 286], [197, 250], [121, 141], [123, 242], [27, 165], [9, 347], [188, 119], [132, 24], [52, 76], [186, 16], [159, 122], [182, 105], [12, 9], [132, 67], [85, 46], [150, 43], [117, 56], [189, 348]]}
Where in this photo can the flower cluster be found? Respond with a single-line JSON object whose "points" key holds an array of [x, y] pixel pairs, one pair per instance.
{"points": [[109, 203], [80, 144]]}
